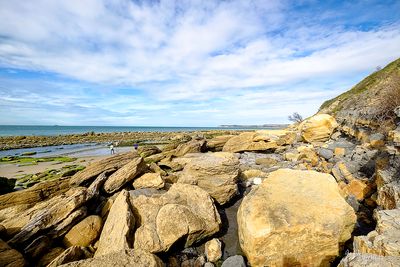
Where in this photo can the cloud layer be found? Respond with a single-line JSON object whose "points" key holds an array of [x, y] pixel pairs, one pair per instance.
{"points": [[189, 63]]}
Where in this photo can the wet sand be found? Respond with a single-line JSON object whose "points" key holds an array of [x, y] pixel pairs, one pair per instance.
{"points": [[17, 170]]}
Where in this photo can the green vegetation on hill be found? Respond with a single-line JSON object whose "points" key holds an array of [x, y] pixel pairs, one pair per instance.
{"points": [[368, 83]]}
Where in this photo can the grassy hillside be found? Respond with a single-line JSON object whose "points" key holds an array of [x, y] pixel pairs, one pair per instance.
{"points": [[369, 83]]}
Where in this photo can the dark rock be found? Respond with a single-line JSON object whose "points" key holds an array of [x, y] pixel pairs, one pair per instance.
{"points": [[10, 257], [6, 185], [74, 253], [38, 247]]}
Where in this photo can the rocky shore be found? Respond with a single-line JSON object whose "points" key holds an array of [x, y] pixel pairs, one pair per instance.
{"points": [[314, 194], [306, 195], [122, 138]]}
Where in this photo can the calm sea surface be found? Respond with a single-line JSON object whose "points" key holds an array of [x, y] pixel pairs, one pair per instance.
{"points": [[19, 130]]}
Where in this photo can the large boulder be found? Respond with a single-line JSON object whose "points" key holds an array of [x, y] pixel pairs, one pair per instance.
{"points": [[370, 260], [125, 174], [186, 213], [108, 164], [294, 217], [259, 140], [318, 128], [193, 146], [385, 240], [216, 173], [85, 232], [218, 142], [129, 257], [117, 232]]}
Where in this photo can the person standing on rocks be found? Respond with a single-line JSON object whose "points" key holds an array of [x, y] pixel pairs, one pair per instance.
{"points": [[112, 149], [135, 145]]}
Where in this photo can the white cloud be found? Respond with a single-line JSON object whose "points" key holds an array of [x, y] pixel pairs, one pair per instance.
{"points": [[175, 51]]}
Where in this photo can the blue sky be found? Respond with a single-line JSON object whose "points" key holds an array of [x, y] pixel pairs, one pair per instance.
{"points": [[185, 63]]}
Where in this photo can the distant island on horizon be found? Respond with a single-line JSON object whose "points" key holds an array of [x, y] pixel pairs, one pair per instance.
{"points": [[269, 126]]}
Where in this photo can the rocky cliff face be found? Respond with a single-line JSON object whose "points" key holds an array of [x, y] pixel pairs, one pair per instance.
{"points": [[370, 105]]}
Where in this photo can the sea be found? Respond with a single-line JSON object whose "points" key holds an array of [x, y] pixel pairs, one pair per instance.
{"points": [[44, 130]]}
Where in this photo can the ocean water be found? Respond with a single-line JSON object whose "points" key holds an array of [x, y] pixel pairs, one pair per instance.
{"points": [[27, 130]]}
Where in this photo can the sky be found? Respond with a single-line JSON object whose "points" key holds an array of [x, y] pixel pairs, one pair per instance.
{"points": [[185, 63]]}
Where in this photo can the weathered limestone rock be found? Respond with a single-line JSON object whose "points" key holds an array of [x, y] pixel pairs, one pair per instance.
{"points": [[149, 180], [385, 240], [50, 256], [389, 196], [193, 146], [244, 142], [74, 253], [343, 171], [34, 194], [394, 136], [359, 188], [125, 174], [377, 140], [85, 232], [259, 140], [37, 247], [185, 213], [234, 261], [291, 207], [216, 173], [252, 173], [267, 162], [213, 250], [217, 143], [109, 164], [318, 128], [11, 212], [63, 227], [10, 257], [117, 231], [370, 260], [129, 257], [145, 151], [155, 168], [45, 214]]}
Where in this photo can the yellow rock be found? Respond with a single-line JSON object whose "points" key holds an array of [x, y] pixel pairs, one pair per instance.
{"points": [[117, 231], [213, 250], [360, 189], [260, 140], [294, 218], [340, 151], [318, 128], [253, 173], [149, 180], [85, 232]]}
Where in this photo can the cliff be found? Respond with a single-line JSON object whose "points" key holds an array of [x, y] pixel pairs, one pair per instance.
{"points": [[369, 105]]}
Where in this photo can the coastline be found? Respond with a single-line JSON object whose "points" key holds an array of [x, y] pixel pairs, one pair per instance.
{"points": [[122, 138]]}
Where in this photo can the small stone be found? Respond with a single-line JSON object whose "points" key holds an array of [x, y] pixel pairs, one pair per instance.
{"points": [[213, 250], [234, 261], [325, 153]]}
